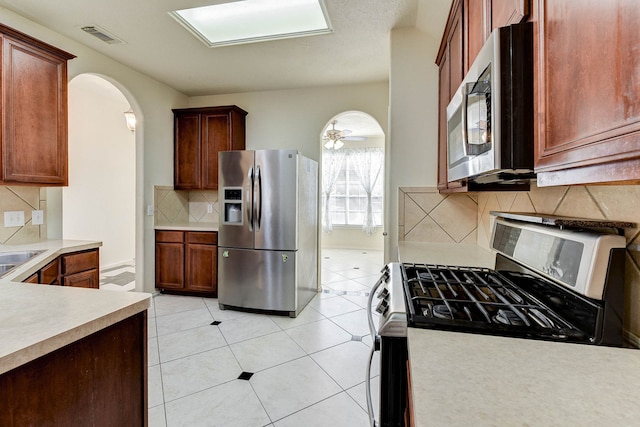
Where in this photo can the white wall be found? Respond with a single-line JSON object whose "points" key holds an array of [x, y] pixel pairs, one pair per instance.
{"points": [[296, 118], [99, 203], [413, 120], [152, 102]]}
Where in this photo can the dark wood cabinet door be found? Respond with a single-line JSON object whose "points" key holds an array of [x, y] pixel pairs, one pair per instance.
{"points": [[85, 279], [199, 135], [201, 273], [451, 62], [476, 27], [216, 137], [34, 114], [588, 92], [50, 273], [507, 12], [456, 51], [32, 279], [443, 101], [187, 156], [80, 261], [170, 265]]}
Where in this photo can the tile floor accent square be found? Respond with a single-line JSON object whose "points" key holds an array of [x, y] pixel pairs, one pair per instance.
{"points": [[245, 376]]}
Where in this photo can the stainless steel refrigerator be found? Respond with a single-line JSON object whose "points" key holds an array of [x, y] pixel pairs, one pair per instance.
{"points": [[268, 230]]}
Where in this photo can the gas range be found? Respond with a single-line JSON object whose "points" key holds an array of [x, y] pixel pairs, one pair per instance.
{"points": [[548, 283]]}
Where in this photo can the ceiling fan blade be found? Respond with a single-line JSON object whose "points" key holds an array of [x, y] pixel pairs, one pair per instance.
{"points": [[344, 132], [354, 138]]}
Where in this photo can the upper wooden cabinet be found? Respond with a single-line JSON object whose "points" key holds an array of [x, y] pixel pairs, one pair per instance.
{"points": [[483, 16], [588, 105], [506, 12], [451, 63], [199, 135], [33, 145]]}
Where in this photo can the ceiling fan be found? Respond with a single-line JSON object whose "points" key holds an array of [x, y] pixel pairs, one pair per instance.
{"points": [[335, 138]]}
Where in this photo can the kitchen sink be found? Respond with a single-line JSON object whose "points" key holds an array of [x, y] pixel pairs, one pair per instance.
{"points": [[10, 260]]}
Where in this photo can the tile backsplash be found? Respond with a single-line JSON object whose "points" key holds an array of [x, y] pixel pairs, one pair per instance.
{"points": [[26, 199], [179, 207], [425, 216]]}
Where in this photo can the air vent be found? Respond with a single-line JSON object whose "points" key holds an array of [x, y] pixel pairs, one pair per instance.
{"points": [[102, 34]]}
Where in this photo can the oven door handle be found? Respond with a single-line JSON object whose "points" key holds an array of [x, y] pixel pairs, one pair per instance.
{"points": [[367, 383], [375, 346]]}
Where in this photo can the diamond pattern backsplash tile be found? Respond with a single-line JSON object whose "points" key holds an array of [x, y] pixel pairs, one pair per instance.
{"points": [[426, 215], [199, 202], [179, 207]]}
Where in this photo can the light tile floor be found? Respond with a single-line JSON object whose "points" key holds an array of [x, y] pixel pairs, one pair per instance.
{"points": [[308, 371], [119, 278]]}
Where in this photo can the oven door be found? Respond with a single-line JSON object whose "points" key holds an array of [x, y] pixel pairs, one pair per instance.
{"points": [[391, 341], [470, 135]]}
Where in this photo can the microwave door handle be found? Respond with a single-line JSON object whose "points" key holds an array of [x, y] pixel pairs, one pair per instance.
{"points": [[465, 133], [470, 149]]}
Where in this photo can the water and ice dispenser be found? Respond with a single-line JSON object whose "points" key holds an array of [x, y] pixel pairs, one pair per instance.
{"points": [[232, 205]]}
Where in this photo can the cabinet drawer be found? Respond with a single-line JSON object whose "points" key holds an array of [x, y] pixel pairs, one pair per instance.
{"points": [[85, 279], [81, 261], [202, 237], [32, 279], [49, 273], [170, 236]]}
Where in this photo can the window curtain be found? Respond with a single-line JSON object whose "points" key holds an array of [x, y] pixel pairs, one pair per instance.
{"points": [[368, 164], [332, 163]]}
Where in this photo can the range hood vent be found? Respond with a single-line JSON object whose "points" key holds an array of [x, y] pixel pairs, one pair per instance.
{"points": [[102, 34]]}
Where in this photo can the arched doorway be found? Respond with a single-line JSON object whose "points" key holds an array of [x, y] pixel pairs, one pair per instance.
{"points": [[100, 201], [352, 203]]}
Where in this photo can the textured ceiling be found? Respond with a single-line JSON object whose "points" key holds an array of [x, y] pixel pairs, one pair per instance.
{"points": [[356, 52]]}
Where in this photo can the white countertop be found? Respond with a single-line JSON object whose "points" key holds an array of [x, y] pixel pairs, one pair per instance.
{"points": [[38, 319], [461, 379], [190, 226], [446, 254], [51, 249]]}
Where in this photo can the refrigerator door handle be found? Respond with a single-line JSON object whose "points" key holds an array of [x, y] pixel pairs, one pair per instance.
{"points": [[249, 204], [258, 199]]}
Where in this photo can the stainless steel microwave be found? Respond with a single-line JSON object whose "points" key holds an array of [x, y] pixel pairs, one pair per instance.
{"points": [[490, 117]]}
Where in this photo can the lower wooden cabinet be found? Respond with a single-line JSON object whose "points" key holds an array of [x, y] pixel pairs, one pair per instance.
{"points": [[79, 269], [99, 380], [187, 262]]}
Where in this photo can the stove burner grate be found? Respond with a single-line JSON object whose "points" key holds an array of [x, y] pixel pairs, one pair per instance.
{"points": [[443, 311], [508, 317], [473, 298]]}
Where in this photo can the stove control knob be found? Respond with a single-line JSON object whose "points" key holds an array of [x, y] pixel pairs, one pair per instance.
{"points": [[382, 306], [383, 293]]}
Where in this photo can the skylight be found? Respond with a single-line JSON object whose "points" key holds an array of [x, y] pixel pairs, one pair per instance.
{"points": [[250, 21]]}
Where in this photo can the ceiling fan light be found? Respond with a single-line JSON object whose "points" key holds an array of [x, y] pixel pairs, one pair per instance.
{"points": [[339, 144], [329, 144]]}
